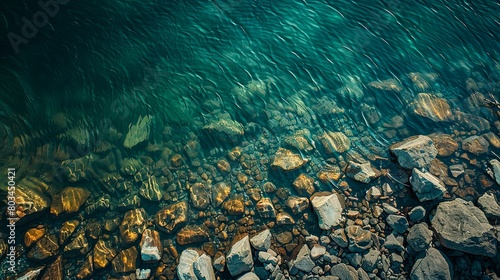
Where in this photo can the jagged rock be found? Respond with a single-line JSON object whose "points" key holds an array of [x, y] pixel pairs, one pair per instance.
{"points": [[86, 269], [125, 261], [262, 240], [234, 207], [101, 205], [239, 259], [432, 107], [33, 235], [129, 202], [304, 185], [415, 152], [93, 230], [431, 264], [373, 193], [303, 260], [398, 223], [394, 243], [104, 252], [203, 268], [299, 140], [462, 226], [69, 200], [426, 186], [329, 174], [151, 246], [335, 142], [329, 210], [185, 269], [488, 203], [225, 130], [30, 274], [317, 251], [192, 234], [419, 237], [444, 144], [297, 204], [138, 132], [200, 196], [171, 217], [54, 271], [130, 166], [142, 274], [31, 200], [265, 208], [133, 224], [45, 248], [339, 237], [79, 245], [359, 239], [150, 189], [370, 259], [457, 170], [67, 230], [362, 172], [286, 160], [220, 192], [476, 145], [192, 149], [344, 272]]}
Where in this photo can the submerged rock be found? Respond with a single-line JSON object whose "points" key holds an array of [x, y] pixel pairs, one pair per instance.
{"points": [[304, 185], [462, 226], [69, 200], [422, 81], [300, 140], [220, 192], [432, 107], [362, 172], [104, 252], [125, 261], [415, 152], [431, 264], [45, 248], [329, 210], [200, 196], [31, 199], [192, 234], [203, 268], [225, 130], [475, 145], [286, 160], [444, 144], [151, 246], [138, 132], [297, 204], [185, 269], [150, 189], [239, 259], [426, 186], [335, 142], [132, 226], [387, 85], [171, 217], [265, 208]]}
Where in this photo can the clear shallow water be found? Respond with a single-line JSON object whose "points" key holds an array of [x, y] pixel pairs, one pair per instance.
{"points": [[96, 67]]}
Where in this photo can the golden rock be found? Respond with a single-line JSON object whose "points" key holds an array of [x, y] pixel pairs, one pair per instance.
{"points": [[67, 230], [220, 192], [54, 271], [192, 234], [234, 207], [69, 200], [335, 142], [87, 268], [30, 197], [104, 253], [286, 160], [444, 143], [45, 248], [78, 246], [125, 261], [432, 107], [33, 235], [133, 224], [304, 185], [172, 216], [200, 196]]}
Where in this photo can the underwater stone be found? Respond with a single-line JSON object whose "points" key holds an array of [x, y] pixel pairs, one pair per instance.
{"points": [[297, 204], [200, 195], [362, 172], [31, 200], [185, 269], [125, 261], [359, 239], [286, 160], [192, 234], [426, 186], [138, 132], [444, 144], [151, 246], [416, 151], [299, 140], [284, 218], [172, 216], [422, 81], [133, 224], [432, 107], [303, 260], [335, 142], [225, 130], [304, 185], [203, 268], [239, 259], [495, 167], [33, 235], [150, 189], [476, 145], [265, 208], [104, 252], [329, 210], [45, 248], [387, 85], [69, 200], [220, 192], [234, 207], [79, 246], [53, 272]]}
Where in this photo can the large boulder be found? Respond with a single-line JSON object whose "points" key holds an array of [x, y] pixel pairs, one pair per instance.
{"points": [[329, 210], [488, 203], [431, 264], [415, 152], [462, 226], [426, 186], [239, 259]]}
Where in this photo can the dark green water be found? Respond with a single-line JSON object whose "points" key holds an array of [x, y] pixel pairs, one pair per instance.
{"points": [[97, 66]]}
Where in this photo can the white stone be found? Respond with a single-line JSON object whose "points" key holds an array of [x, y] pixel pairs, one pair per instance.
{"points": [[185, 269], [329, 210], [262, 241], [239, 259], [203, 268]]}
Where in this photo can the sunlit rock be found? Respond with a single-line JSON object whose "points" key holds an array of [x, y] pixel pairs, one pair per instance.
{"points": [[69, 200], [192, 234], [78, 246], [31, 199], [150, 189], [234, 207], [151, 246], [387, 85], [265, 208], [422, 81], [329, 210], [225, 130], [125, 261], [200, 195], [54, 271], [33, 235], [45, 248], [300, 140], [362, 172], [472, 122], [432, 107], [171, 217], [304, 185], [335, 142], [444, 143], [416, 151], [132, 226], [297, 204], [220, 192], [286, 160], [138, 132], [426, 186], [475, 145], [104, 251]]}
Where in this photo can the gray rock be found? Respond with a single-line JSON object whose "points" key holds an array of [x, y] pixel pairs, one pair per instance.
{"points": [[456, 170], [329, 210], [398, 223], [426, 186], [475, 269], [475, 145], [417, 214], [431, 264], [462, 226], [495, 166], [303, 260], [344, 272], [354, 259], [488, 203], [362, 275], [262, 241], [419, 237], [185, 270], [265, 257], [415, 152], [393, 243], [239, 259], [362, 172], [370, 260], [203, 268], [249, 276], [359, 239], [338, 236]]}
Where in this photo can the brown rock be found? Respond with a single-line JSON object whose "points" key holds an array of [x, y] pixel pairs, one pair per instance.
{"points": [[387, 85], [78, 246], [438, 168], [133, 224], [172, 216], [265, 208], [284, 237], [220, 192], [493, 139], [150, 189], [67, 230], [359, 239], [432, 107], [31, 200], [104, 253], [54, 271], [69, 200], [200, 196], [284, 219], [125, 261], [87, 268], [304, 185], [45, 248], [330, 174], [297, 204], [93, 230], [286, 160], [192, 234], [475, 145], [176, 160], [299, 140], [33, 235], [472, 122], [111, 225], [335, 142], [444, 143], [224, 166], [234, 207]]}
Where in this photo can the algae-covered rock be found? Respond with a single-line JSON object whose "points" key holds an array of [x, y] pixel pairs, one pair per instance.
{"points": [[138, 132]]}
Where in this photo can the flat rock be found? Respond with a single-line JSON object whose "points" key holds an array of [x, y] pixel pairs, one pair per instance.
{"points": [[132, 226], [329, 210], [387, 85], [225, 130], [359, 239], [431, 264], [138, 132], [344, 272], [419, 237], [495, 170], [303, 260], [475, 144], [239, 259], [472, 122], [45, 248], [200, 196], [462, 226], [397, 223], [79, 245], [362, 172], [304, 185], [335, 142], [192, 234], [489, 204], [426, 186], [150, 189], [415, 152], [444, 143], [104, 251], [203, 268], [297, 204], [220, 192], [262, 240], [185, 269], [33, 235], [432, 107], [300, 140], [171, 217], [493, 139], [234, 207], [283, 218], [31, 199], [69, 200], [125, 261], [286, 160]]}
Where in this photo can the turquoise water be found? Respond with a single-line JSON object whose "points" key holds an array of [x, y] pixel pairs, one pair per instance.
{"points": [[275, 67]]}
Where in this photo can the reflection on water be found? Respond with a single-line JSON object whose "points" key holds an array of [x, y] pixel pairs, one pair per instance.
{"points": [[149, 105]]}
